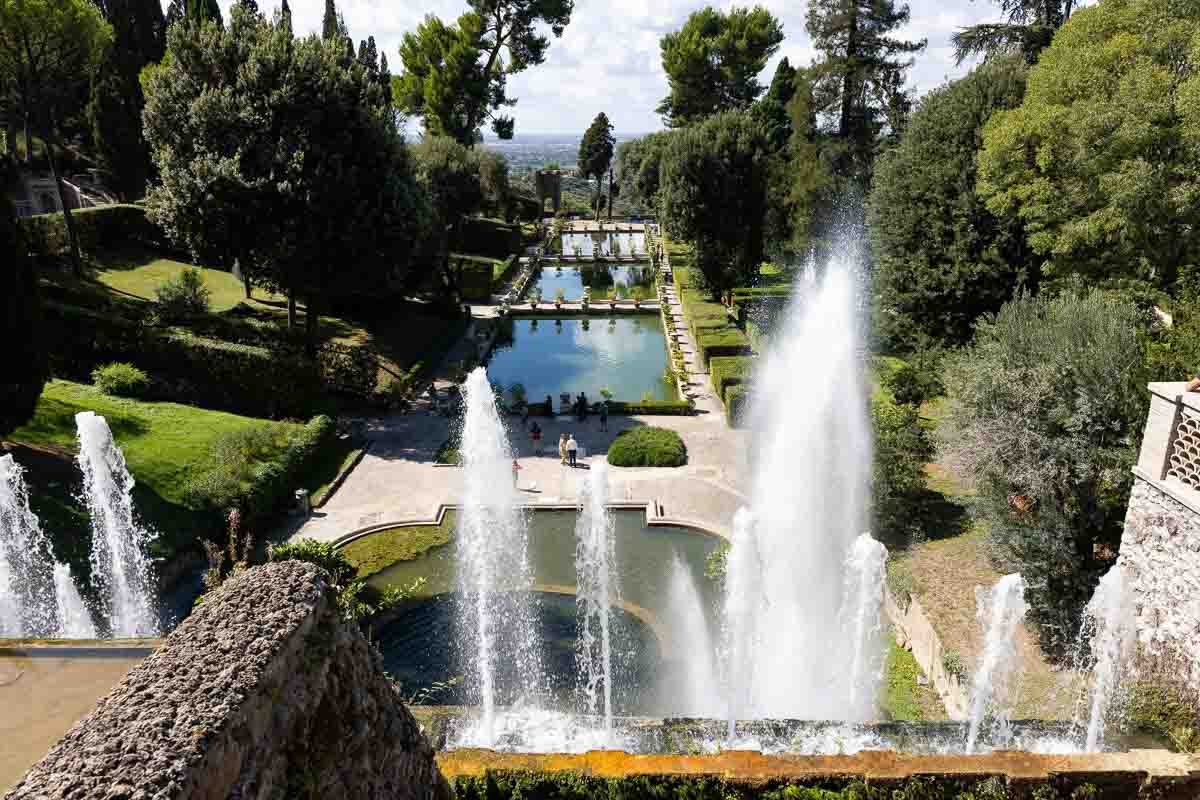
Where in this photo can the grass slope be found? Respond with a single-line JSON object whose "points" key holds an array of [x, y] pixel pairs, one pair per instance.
{"points": [[165, 444], [140, 275]]}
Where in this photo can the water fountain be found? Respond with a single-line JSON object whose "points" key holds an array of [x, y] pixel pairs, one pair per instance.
{"points": [[495, 625], [810, 471], [28, 606], [862, 615], [596, 587], [1107, 641], [1001, 611], [74, 619], [120, 565], [697, 686]]}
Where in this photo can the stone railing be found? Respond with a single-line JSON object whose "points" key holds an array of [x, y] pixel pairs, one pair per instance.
{"points": [[262, 692], [916, 633]]}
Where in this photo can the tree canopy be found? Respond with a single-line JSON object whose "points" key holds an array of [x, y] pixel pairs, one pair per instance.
{"points": [[336, 211], [713, 61], [49, 49], [700, 166], [23, 370], [1045, 410], [1100, 160], [455, 77], [638, 165], [858, 77], [942, 259], [596, 153], [1027, 29]]}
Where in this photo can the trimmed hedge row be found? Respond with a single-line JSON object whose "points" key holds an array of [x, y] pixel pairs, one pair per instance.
{"points": [[254, 380], [489, 237], [713, 331], [659, 408], [736, 399], [475, 276], [99, 227], [727, 371]]}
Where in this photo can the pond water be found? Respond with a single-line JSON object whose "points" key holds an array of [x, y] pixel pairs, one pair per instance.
{"points": [[417, 645], [584, 244], [602, 278], [625, 354]]}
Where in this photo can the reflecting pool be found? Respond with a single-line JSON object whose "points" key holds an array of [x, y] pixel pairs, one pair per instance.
{"points": [[601, 278], [625, 354], [619, 243]]}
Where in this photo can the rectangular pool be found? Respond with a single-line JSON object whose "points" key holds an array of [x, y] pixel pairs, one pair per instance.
{"points": [[625, 354], [602, 278], [583, 244]]}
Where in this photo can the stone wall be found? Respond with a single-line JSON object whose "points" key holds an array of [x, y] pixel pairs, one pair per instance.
{"points": [[261, 693], [916, 633], [1160, 556]]}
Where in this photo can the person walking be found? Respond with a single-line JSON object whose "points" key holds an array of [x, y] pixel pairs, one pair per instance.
{"points": [[516, 471], [562, 448], [535, 433], [572, 450], [604, 415]]}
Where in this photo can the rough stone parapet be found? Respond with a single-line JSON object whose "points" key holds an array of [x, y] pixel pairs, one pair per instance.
{"points": [[1160, 557], [262, 692]]}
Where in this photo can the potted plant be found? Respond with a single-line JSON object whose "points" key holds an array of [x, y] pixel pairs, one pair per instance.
{"points": [[559, 296], [637, 296], [606, 394], [535, 298], [617, 293], [616, 248]]}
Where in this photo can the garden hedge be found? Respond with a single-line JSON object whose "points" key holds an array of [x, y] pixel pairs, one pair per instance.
{"points": [[488, 237], [647, 447], [736, 399], [726, 371], [660, 408], [97, 228], [723, 343]]}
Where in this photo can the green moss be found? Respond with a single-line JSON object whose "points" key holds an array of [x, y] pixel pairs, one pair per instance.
{"points": [[1166, 709], [377, 551], [647, 447], [902, 698]]}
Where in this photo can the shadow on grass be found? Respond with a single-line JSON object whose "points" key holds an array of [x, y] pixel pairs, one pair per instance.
{"points": [[934, 515]]}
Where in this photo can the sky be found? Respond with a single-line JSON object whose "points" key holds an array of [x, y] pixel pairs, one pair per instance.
{"points": [[608, 57]]}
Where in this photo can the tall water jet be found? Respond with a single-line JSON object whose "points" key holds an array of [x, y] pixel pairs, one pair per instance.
{"points": [[28, 606], [862, 607], [495, 623], [596, 586], [811, 456], [1107, 641], [74, 619], [698, 684], [120, 565], [1001, 611]]}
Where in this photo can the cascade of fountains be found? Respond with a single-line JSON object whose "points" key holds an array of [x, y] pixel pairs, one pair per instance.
{"points": [[862, 613], [810, 490], [1109, 633], [1001, 611], [495, 622], [38, 598], [698, 688], [596, 586], [120, 565]]}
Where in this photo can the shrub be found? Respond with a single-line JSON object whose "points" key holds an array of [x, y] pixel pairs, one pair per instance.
{"points": [[902, 449], [1048, 403], [916, 380], [256, 469], [97, 228], [723, 343], [725, 371], [121, 380], [647, 447], [183, 295], [653, 408], [736, 399]]}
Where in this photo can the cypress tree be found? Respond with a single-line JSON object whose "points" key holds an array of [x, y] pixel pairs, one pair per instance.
{"points": [[329, 23], [203, 10], [23, 371]]}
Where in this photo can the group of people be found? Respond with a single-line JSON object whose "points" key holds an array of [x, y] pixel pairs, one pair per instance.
{"points": [[582, 407]]}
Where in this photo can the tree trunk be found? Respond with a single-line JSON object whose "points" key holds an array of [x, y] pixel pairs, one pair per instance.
{"points": [[849, 87], [28, 141], [311, 324], [291, 296], [610, 202], [72, 238], [246, 284]]}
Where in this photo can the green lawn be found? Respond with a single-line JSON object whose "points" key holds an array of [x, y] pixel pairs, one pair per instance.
{"points": [[141, 274], [379, 550], [901, 696], [165, 444]]}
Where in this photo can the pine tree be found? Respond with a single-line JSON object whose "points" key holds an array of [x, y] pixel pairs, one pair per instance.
{"points": [[858, 78], [596, 152], [203, 11], [115, 110], [176, 11], [285, 13]]}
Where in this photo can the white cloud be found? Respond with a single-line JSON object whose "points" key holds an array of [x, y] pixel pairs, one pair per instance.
{"points": [[608, 58]]}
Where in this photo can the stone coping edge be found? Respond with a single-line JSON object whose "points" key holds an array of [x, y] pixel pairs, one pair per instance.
{"points": [[341, 477], [440, 515], [1176, 491]]}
